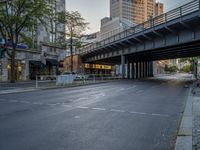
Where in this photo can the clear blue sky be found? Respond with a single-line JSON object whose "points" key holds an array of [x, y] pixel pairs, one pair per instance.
{"points": [[94, 10]]}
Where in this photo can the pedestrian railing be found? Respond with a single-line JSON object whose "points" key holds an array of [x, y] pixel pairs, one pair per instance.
{"points": [[50, 81]]}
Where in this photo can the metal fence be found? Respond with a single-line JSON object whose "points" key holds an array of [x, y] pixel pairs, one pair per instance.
{"points": [[50, 81], [161, 19]]}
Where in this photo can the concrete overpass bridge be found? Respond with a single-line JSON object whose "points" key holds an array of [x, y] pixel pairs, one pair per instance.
{"points": [[174, 34]]}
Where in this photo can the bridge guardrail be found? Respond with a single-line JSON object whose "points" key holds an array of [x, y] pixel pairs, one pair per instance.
{"points": [[158, 20]]}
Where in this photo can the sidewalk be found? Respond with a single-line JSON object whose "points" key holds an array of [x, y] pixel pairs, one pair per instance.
{"points": [[24, 86], [196, 120], [189, 132]]}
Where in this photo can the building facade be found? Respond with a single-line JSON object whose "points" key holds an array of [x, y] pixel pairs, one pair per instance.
{"points": [[159, 9], [44, 57], [111, 26], [136, 11], [30, 63], [54, 31]]}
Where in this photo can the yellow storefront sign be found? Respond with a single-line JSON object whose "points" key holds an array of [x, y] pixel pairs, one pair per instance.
{"points": [[97, 66]]}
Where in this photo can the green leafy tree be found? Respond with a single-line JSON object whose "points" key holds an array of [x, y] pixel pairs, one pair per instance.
{"points": [[172, 68], [75, 25], [18, 16], [187, 68]]}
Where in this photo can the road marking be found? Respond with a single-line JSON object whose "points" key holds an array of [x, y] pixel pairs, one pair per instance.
{"points": [[122, 89], [82, 98], [153, 114], [140, 91], [102, 94], [132, 87], [82, 107], [117, 110], [13, 101], [67, 105], [37, 103], [58, 103], [77, 117], [103, 109], [140, 113], [25, 102], [161, 115], [51, 104]]}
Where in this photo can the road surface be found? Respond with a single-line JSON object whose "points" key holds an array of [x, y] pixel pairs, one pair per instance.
{"points": [[120, 115]]}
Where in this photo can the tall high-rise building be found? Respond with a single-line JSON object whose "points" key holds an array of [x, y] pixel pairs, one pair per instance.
{"points": [[122, 9], [143, 10], [159, 9], [136, 11]]}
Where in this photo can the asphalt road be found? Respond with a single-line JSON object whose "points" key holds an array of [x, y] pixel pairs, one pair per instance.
{"points": [[122, 115]]}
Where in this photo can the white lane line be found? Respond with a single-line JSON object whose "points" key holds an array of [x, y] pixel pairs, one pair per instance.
{"points": [[117, 110], [13, 101], [58, 103], [143, 113], [140, 113], [82, 98], [103, 109], [132, 87], [25, 102], [102, 94], [77, 117], [161, 115], [66, 105], [51, 104], [81, 107], [140, 91], [37, 103]]}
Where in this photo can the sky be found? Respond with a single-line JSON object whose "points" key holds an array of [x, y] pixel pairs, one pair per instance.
{"points": [[94, 10]]}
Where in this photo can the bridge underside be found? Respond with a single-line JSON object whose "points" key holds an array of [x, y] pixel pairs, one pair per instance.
{"points": [[191, 49], [177, 38]]}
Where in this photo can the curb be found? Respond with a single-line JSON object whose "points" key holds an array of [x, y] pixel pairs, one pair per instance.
{"points": [[13, 91], [184, 138], [17, 91]]}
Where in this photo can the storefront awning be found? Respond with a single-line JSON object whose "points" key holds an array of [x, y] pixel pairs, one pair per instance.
{"points": [[36, 63], [53, 62]]}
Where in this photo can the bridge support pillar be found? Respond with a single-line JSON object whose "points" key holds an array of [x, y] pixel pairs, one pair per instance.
{"points": [[137, 65], [128, 68], [123, 66], [150, 69], [133, 70], [140, 75], [144, 69], [146, 72]]}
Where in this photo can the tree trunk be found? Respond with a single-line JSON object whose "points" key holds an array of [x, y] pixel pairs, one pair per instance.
{"points": [[71, 53], [12, 75]]}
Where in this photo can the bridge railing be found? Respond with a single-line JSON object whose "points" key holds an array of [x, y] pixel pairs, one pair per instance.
{"points": [[158, 20]]}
